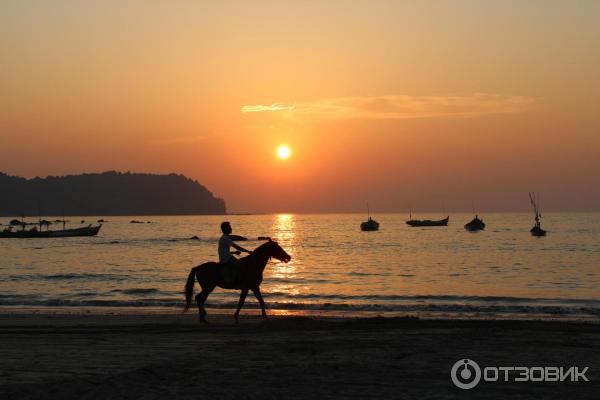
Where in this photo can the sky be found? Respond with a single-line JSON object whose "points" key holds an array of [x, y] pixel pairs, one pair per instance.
{"points": [[428, 105]]}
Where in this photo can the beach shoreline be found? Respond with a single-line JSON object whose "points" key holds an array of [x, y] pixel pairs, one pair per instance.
{"points": [[150, 354], [251, 309]]}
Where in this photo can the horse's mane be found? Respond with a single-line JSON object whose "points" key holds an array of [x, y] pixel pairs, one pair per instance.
{"points": [[259, 250]]}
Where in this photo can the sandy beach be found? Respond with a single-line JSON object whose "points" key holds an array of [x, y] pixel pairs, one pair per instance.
{"points": [[161, 355]]}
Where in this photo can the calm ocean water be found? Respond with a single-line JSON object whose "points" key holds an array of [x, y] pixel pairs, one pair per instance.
{"points": [[499, 272]]}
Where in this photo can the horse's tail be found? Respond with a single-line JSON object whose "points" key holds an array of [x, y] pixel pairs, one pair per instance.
{"points": [[189, 287]]}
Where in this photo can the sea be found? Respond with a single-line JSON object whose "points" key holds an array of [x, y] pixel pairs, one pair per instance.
{"points": [[435, 272]]}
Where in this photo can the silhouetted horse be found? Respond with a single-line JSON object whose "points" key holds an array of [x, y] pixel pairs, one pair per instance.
{"points": [[249, 277]]}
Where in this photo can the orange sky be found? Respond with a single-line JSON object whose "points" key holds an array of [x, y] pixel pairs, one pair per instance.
{"points": [[428, 104]]}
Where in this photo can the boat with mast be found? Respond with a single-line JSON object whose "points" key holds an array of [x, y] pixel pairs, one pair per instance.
{"points": [[537, 229], [476, 224], [370, 224]]}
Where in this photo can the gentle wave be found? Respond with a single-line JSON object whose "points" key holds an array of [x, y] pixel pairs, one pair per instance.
{"points": [[66, 277], [190, 239], [585, 310], [130, 242], [448, 298], [142, 291], [465, 301]]}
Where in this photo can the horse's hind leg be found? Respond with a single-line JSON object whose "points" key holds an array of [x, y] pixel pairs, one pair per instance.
{"points": [[200, 299], [243, 295]]}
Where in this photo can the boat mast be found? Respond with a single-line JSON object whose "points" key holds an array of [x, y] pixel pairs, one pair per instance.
{"points": [[536, 209]]}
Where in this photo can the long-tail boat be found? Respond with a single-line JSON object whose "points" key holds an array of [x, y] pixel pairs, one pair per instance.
{"points": [[36, 232], [427, 222]]}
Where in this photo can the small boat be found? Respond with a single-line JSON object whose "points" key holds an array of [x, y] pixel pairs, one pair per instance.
{"points": [[428, 222], [370, 224], [476, 224], [40, 233], [537, 228], [537, 231]]}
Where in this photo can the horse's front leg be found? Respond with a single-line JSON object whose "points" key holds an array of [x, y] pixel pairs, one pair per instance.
{"points": [[243, 295], [259, 297]]}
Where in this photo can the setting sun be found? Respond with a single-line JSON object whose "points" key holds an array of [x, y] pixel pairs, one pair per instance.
{"points": [[283, 152]]}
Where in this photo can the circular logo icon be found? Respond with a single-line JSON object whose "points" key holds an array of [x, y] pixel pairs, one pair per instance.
{"points": [[465, 374]]}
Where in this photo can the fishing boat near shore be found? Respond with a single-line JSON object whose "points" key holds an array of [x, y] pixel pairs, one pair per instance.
{"points": [[37, 230]]}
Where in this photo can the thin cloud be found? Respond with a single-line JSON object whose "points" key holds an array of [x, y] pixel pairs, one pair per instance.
{"points": [[263, 108], [403, 106]]}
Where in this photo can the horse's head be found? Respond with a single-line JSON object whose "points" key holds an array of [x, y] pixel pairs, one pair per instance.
{"points": [[275, 251]]}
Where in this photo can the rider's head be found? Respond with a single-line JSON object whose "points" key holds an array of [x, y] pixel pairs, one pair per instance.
{"points": [[226, 227]]}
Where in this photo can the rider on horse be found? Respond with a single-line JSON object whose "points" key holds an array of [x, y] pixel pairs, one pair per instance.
{"points": [[210, 275], [229, 264]]}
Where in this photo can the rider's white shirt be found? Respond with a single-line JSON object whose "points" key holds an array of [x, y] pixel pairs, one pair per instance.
{"points": [[225, 243]]}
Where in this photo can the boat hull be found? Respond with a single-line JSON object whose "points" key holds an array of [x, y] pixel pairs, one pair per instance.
{"points": [[475, 225], [537, 231], [86, 231], [427, 222], [369, 226]]}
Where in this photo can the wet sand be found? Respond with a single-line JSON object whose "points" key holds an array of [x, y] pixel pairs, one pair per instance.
{"points": [[160, 355]]}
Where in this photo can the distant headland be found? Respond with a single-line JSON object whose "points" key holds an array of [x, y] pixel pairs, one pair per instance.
{"points": [[107, 193]]}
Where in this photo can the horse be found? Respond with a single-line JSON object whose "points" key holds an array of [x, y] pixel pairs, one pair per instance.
{"points": [[250, 277]]}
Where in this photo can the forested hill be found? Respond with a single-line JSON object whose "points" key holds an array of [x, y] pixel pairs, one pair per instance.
{"points": [[108, 193]]}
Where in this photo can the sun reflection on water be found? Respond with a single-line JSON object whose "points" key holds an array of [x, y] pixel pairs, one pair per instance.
{"points": [[283, 228]]}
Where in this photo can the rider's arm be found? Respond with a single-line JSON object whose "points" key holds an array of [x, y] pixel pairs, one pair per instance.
{"points": [[240, 248]]}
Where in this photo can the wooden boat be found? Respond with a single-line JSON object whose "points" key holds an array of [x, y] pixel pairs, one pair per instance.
{"points": [[370, 224], [476, 224], [537, 228], [37, 233], [428, 222]]}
